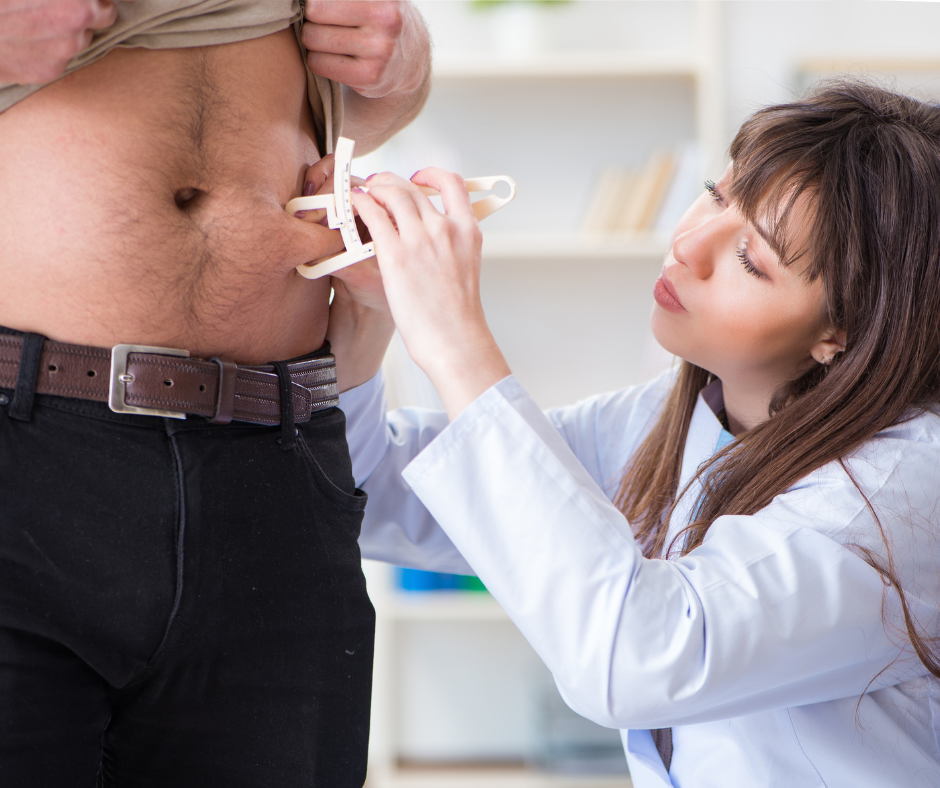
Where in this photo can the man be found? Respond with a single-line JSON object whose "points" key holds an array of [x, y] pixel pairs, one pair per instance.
{"points": [[181, 601]]}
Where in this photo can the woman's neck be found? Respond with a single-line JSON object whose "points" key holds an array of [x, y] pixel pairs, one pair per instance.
{"points": [[745, 407]]}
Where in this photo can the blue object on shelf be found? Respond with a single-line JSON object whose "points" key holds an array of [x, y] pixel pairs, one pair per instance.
{"points": [[417, 580], [446, 582], [420, 580]]}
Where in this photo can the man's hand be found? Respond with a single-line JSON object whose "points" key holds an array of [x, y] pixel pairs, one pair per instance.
{"points": [[380, 51], [376, 47], [39, 37]]}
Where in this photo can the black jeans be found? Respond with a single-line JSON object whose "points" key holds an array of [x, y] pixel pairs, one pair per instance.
{"points": [[181, 604]]}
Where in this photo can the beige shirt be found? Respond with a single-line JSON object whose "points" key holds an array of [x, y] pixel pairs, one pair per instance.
{"points": [[177, 24]]}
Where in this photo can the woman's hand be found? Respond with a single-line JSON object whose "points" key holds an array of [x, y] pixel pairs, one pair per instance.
{"points": [[430, 267]]}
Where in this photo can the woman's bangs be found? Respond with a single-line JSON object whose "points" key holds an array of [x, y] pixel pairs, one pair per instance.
{"points": [[771, 169]]}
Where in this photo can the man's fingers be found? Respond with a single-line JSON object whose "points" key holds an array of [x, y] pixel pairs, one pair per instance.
{"points": [[38, 40], [104, 15], [364, 75], [351, 13], [338, 40]]}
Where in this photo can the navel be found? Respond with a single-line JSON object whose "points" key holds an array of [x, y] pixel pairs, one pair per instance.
{"points": [[187, 197]]}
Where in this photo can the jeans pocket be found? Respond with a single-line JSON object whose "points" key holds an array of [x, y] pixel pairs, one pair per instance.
{"points": [[354, 499]]}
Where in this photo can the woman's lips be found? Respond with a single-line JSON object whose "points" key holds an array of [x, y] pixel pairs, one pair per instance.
{"points": [[666, 297]]}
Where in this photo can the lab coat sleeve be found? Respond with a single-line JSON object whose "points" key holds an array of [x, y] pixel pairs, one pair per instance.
{"points": [[603, 431], [771, 611], [396, 527]]}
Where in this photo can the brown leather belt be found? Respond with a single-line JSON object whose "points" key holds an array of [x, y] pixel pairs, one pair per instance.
{"points": [[166, 382]]}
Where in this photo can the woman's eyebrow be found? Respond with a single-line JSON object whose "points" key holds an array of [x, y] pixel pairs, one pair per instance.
{"points": [[768, 237], [762, 231]]}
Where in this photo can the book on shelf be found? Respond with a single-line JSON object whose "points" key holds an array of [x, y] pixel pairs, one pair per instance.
{"points": [[419, 580], [644, 200]]}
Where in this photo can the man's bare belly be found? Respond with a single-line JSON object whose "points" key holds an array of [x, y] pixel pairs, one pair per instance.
{"points": [[141, 201]]}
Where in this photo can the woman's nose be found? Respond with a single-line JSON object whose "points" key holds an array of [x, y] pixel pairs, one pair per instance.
{"points": [[698, 245]]}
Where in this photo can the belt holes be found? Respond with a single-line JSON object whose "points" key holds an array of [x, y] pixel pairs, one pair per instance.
{"points": [[53, 368], [202, 386], [168, 383], [91, 373]]}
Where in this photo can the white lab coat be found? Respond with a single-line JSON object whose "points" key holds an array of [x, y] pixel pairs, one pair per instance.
{"points": [[764, 648]]}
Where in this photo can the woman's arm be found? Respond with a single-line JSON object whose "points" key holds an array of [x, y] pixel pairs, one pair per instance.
{"points": [[773, 610], [398, 528], [431, 271]]}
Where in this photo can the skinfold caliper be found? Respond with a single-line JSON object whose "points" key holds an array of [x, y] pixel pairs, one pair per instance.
{"points": [[339, 211]]}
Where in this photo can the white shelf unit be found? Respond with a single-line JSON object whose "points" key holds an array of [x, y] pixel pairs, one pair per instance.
{"points": [[567, 65], [396, 611], [550, 120], [469, 777], [572, 246], [444, 606]]}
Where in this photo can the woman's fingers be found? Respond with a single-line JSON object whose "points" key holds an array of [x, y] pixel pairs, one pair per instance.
{"points": [[453, 190], [408, 209], [428, 235], [426, 211], [317, 174], [317, 180], [376, 218]]}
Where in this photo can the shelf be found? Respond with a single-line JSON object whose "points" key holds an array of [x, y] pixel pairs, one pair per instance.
{"points": [[573, 247], [491, 778], [560, 65], [442, 606], [844, 64], [452, 673]]}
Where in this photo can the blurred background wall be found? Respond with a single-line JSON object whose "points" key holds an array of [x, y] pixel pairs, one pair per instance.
{"points": [[608, 114]]}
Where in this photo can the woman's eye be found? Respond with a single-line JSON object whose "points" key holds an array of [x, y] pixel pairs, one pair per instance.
{"points": [[748, 265], [712, 190]]}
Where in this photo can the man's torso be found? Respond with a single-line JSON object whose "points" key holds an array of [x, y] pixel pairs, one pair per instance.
{"points": [[141, 201]]}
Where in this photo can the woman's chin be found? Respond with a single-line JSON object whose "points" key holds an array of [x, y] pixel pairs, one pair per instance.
{"points": [[666, 333]]}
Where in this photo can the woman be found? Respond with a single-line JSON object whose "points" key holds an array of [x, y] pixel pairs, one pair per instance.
{"points": [[744, 551]]}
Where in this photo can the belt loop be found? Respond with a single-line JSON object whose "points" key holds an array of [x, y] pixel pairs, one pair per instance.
{"points": [[21, 408], [225, 404], [288, 438]]}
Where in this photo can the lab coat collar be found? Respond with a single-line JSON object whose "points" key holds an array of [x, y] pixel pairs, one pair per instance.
{"points": [[704, 432], [646, 765]]}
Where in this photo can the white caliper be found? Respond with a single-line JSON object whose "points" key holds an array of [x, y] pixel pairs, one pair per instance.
{"points": [[339, 211]]}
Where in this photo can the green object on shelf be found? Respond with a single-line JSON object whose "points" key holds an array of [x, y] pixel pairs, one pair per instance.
{"points": [[470, 583]]}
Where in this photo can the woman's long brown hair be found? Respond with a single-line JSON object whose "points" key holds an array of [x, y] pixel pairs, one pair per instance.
{"points": [[869, 161]]}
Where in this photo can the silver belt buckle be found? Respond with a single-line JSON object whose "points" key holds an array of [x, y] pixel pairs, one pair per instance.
{"points": [[120, 378]]}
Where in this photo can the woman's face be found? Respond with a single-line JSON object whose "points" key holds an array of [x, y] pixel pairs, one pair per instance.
{"points": [[725, 303]]}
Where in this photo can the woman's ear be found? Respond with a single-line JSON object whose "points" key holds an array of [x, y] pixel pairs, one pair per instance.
{"points": [[831, 342]]}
